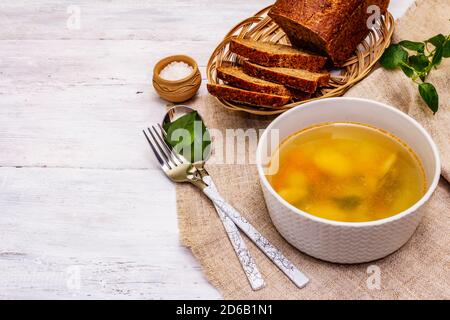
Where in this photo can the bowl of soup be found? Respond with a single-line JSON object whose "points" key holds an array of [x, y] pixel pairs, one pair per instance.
{"points": [[345, 179]]}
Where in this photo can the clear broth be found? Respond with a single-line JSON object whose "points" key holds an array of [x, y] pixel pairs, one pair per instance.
{"points": [[348, 172]]}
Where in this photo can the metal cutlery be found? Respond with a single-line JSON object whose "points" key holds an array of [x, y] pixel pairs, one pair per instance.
{"points": [[178, 169], [240, 248]]}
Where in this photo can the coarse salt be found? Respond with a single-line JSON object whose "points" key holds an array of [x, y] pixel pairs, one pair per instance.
{"points": [[176, 70]]}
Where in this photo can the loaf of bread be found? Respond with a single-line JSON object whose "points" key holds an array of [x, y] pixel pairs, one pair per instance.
{"points": [[302, 80], [331, 27], [248, 97], [277, 55]]}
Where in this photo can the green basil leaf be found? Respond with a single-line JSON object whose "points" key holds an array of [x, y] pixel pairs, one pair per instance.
{"points": [[429, 95], [446, 51], [201, 142], [407, 70], [393, 56], [437, 40], [412, 45], [206, 144], [192, 140], [181, 122], [180, 134], [419, 62], [437, 58], [180, 138]]}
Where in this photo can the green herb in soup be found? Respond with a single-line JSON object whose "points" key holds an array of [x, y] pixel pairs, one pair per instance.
{"points": [[348, 172]]}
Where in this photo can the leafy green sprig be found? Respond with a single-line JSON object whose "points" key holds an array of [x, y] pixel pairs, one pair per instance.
{"points": [[189, 137], [417, 60]]}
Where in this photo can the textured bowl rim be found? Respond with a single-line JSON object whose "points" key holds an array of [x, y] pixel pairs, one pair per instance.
{"points": [[398, 216], [161, 64]]}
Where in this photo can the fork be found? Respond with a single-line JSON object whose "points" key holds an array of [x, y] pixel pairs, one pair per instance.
{"points": [[246, 260], [179, 169]]}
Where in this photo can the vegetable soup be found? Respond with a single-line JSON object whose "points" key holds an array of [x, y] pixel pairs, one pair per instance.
{"points": [[348, 172]]}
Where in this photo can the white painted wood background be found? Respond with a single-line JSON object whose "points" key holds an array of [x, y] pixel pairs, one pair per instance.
{"points": [[84, 211]]}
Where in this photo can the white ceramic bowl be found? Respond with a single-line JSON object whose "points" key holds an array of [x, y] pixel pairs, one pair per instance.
{"points": [[347, 242]]}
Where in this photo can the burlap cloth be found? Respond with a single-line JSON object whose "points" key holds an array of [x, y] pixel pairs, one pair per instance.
{"points": [[419, 270]]}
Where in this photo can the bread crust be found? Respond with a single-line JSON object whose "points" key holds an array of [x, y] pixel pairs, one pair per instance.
{"points": [[236, 77], [297, 82], [247, 97], [275, 55], [332, 27]]}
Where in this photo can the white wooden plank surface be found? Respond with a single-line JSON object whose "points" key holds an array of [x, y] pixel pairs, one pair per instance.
{"points": [[166, 20], [84, 212], [117, 227]]}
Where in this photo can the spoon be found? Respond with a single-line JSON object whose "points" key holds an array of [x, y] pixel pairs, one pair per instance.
{"points": [[231, 217], [248, 264]]}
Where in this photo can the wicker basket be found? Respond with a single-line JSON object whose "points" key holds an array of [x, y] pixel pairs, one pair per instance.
{"points": [[262, 27]]}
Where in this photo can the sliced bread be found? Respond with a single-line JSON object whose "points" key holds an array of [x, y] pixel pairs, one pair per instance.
{"points": [[236, 77], [248, 97], [277, 55], [303, 80]]}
